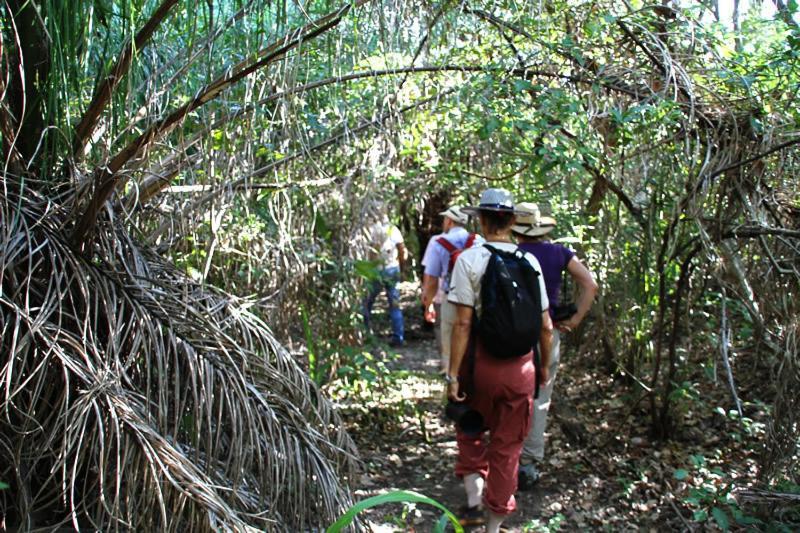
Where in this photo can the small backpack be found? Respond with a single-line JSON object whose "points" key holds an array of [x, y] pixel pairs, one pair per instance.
{"points": [[455, 251], [511, 305]]}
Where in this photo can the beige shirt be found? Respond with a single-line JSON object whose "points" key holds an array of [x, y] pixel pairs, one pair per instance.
{"points": [[465, 282]]}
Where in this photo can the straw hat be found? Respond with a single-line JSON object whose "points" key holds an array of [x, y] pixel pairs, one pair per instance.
{"points": [[533, 224], [499, 200], [455, 214]]}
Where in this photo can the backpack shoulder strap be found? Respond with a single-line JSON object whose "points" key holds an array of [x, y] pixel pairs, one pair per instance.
{"points": [[449, 246], [516, 253]]}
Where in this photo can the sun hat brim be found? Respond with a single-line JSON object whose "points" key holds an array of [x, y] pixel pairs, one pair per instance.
{"points": [[476, 210], [545, 226], [454, 216]]}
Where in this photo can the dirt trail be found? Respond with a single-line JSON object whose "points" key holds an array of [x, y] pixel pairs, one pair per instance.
{"points": [[602, 471]]}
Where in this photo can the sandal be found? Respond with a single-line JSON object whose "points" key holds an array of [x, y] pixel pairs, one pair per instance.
{"points": [[471, 516]]}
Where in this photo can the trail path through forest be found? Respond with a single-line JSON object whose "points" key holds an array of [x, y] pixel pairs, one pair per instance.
{"points": [[602, 471], [578, 488]]}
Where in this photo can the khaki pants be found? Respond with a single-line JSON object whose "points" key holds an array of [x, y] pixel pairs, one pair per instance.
{"points": [[533, 448], [448, 319], [437, 328]]}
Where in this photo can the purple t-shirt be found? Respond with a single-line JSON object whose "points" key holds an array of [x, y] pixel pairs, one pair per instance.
{"points": [[554, 259]]}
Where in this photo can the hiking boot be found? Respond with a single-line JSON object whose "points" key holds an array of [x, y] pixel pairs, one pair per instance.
{"points": [[527, 476], [396, 343], [471, 516]]}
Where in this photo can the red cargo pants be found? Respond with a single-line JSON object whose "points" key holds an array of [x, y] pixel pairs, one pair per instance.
{"points": [[503, 393]]}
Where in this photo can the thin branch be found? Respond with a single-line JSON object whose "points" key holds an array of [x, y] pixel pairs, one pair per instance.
{"points": [[497, 22], [436, 17], [499, 178], [755, 157], [724, 343], [785, 14], [344, 134], [616, 189], [657, 62], [242, 183], [501, 27], [150, 187]]}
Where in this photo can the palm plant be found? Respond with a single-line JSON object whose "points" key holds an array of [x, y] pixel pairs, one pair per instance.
{"points": [[167, 399], [134, 397]]}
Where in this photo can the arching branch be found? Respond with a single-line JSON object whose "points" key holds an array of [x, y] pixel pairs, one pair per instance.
{"points": [[107, 179], [155, 181]]}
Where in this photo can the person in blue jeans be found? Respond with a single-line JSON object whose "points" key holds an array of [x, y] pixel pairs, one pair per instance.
{"points": [[388, 247]]}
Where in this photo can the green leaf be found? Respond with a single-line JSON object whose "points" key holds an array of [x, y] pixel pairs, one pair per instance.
{"points": [[721, 517], [680, 474], [522, 85], [396, 497], [524, 125], [4, 485], [700, 516], [367, 269], [697, 460], [491, 125]]}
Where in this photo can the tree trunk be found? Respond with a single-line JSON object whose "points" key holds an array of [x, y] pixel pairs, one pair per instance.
{"points": [[29, 69]]}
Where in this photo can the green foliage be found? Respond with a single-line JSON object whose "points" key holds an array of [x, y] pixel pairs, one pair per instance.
{"points": [[367, 270], [553, 524], [398, 496], [557, 104], [712, 498]]}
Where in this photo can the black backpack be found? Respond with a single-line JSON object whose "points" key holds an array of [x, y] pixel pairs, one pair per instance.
{"points": [[511, 305]]}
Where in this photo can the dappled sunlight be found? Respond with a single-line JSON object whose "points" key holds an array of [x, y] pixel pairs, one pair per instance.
{"points": [[199, 201]]}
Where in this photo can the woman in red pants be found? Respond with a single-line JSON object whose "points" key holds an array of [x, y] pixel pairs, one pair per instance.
{"points": [[501, 388]]}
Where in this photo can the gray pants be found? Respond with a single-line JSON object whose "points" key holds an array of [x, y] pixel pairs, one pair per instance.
{"points": [[533, 447]]}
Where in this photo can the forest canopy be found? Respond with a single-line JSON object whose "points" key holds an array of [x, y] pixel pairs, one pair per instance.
{"points": [[181, 225]]}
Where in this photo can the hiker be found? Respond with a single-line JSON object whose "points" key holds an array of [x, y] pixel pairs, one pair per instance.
{"points": [[444, 250], [388, 248], [555, 259], [432, 313], [484, 372]]}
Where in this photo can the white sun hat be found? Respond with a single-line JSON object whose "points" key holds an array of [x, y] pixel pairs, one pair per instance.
{"points": [[533, 224]]}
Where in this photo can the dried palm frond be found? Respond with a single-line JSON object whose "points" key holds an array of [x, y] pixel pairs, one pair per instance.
{"points": [[779, 457], [124, 379]]}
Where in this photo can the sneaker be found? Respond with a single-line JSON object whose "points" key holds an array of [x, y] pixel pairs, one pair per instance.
{"points": [[527, 476], [471, 516], [396, 343]]}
